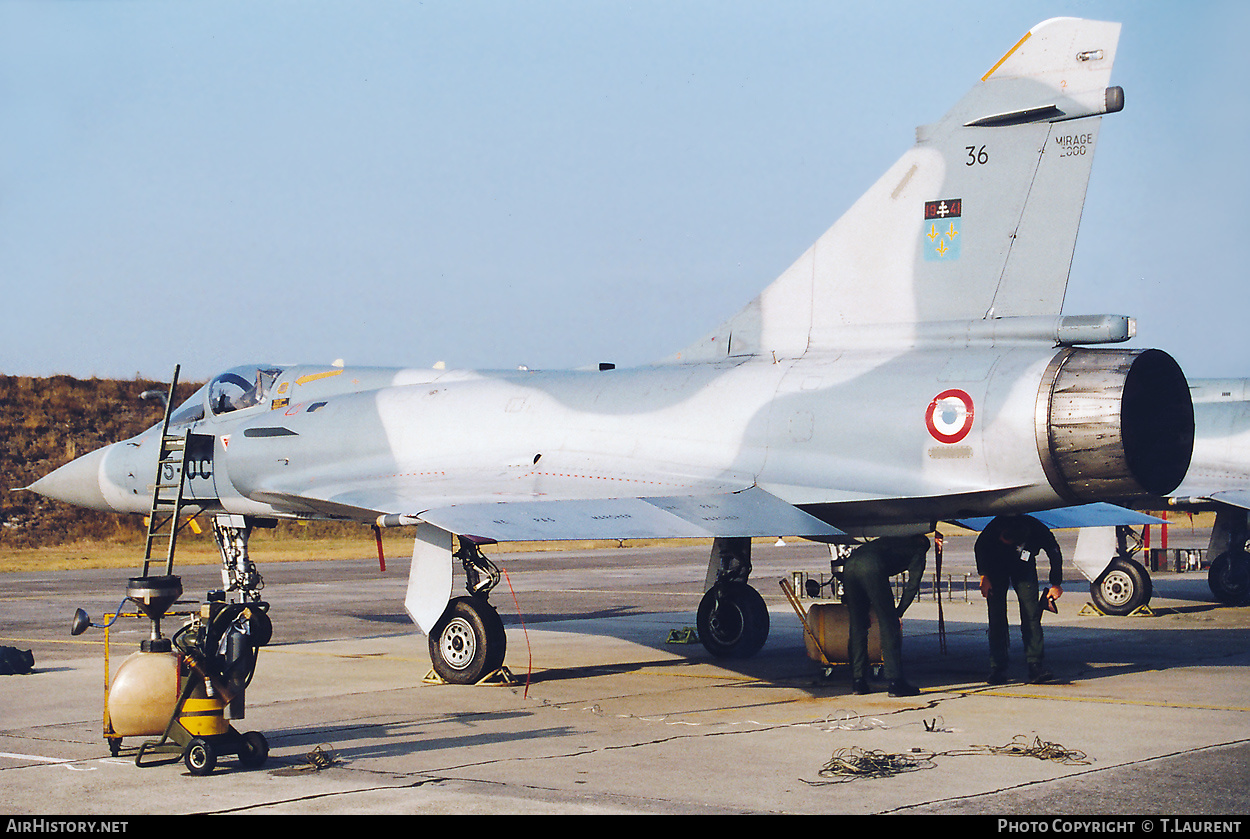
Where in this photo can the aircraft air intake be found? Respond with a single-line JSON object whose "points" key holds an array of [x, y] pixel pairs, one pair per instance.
{"points": [[1114, 423]]}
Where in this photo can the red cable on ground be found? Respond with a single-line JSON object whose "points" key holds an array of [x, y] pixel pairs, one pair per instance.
{"points": [[530, 668]]}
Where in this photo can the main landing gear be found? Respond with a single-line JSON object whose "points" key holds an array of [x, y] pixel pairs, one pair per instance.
{"points": [[733, 619], [1229, 576], [468, 643]]}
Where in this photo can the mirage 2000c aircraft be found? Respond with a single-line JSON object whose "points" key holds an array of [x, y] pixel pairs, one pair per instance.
{"points": [[913, 366]]}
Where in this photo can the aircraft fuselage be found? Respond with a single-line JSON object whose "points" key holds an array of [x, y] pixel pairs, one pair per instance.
{"points": [[938, 430]]}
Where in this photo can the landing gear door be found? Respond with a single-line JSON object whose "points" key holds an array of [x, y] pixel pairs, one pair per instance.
{"points": [[201, 483]]}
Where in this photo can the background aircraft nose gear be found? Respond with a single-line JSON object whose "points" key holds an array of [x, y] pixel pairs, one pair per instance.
{"points": [[1125, 585], [1229, 577]]}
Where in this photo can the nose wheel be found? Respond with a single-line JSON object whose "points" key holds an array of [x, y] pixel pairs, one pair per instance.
{"points": [[1122, 588]]}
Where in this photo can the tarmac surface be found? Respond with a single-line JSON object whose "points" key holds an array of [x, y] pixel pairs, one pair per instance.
{"points": [[1148, 714]]}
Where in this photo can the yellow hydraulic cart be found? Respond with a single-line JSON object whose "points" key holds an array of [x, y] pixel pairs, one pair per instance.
{"points": [[173, 693]]}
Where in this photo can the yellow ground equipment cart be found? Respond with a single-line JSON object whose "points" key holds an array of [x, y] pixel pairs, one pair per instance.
{"points": [[180, 688]]}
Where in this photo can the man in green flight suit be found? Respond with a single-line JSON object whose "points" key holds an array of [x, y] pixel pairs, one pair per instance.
{"points": [[1006, 554], [866, 588]]}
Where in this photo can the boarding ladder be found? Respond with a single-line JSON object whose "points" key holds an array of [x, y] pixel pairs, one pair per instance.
{"points": [[167, 489]]}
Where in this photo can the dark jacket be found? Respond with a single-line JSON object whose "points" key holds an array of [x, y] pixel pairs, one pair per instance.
{"points": [[890, 555], [996, 559]]}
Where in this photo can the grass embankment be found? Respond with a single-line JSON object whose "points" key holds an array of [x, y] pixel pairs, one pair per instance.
{"points": [[263, 547], [199, 551]]}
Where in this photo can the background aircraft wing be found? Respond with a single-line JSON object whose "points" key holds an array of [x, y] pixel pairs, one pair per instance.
{"points": [[1232, 497], [1084, 515]]}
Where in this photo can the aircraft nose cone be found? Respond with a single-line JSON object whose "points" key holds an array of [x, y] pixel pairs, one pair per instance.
{"points": [[77, 482]]}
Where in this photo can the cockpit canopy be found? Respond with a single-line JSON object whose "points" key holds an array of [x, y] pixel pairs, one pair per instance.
{"points": [[241, 387], [234, 390]]}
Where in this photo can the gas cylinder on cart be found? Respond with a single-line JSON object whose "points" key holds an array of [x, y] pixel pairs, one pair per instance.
{"points": [[831, 624], [144, 694]]}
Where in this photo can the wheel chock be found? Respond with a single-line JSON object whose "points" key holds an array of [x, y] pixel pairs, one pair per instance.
{"points": [[685, 635], [1142, 611], [502, 677]]}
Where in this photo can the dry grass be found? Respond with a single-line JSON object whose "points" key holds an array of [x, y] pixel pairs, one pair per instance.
{"points": [[90, 554], [47, 422], [266, 546]]}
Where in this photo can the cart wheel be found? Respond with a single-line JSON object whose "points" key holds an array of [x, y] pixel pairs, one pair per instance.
{"points": [[201, 757], [255, 750]]}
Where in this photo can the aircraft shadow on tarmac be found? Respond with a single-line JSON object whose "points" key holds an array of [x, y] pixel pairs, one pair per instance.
{"points": [[1084, 651], [390, 738], [1076, 653]]}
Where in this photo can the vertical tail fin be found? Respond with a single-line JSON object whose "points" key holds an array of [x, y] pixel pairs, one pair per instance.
{"points": [[978, 220]]}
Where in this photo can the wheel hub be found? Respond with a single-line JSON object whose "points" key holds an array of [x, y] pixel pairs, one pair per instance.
{"points": [[458, 644], [726, 622], [1117, 588]]}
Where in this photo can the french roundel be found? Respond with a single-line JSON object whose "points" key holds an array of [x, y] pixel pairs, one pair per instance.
{"points": [[949, 418]]}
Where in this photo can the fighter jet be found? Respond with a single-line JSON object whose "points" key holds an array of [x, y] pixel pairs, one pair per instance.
{"points": [[913, 366], [1219, 479]]}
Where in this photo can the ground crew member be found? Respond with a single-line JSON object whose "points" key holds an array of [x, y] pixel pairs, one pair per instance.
{"points": [[866, 587], [1006, 554]]}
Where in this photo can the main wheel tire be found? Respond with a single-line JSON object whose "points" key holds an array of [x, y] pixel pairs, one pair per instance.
{"points": [[733, 620], [255, 750], [1229, 578], [1122, 588], [261, 628], [201, 757], [468, 642]]}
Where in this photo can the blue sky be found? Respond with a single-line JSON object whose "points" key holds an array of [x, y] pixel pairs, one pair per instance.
{"points": [[550, 184]]}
